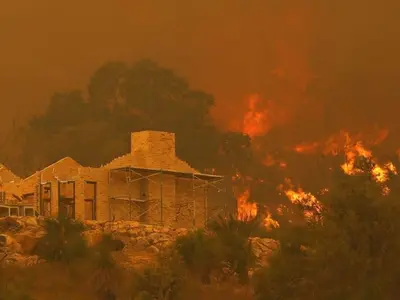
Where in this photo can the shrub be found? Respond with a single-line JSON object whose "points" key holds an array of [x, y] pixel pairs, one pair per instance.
{"points": [[351, 252], [164, 280], [105, 273], [201, 252], [233, 236], [63, 241]]}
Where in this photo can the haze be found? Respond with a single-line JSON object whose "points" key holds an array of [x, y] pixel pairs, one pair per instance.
{"points": [[230, 48]]}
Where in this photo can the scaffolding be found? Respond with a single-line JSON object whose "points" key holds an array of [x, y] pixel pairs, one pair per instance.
{"points": [[151, 196]]}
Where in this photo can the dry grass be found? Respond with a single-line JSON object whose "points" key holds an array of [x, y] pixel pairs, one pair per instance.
{"points": [[56, 281]]}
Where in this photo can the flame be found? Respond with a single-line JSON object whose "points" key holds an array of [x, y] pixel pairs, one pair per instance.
{"points": [[246, 209], [306, 148], [353, 147], [299, 196], [255, 122]]}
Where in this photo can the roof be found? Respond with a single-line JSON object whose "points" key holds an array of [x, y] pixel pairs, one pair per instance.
{"points": [[6, 175], [142, 160], [66, 159]]}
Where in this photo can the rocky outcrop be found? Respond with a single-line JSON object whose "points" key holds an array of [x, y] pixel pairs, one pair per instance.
{"points": [[135, 243], [18, 238], [263, 248]]}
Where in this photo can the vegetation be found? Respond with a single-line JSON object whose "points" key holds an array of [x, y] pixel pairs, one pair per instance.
{"points": [[63, 241], [350, 252]]}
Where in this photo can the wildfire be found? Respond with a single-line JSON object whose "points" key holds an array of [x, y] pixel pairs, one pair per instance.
{"points": [[299, 196], [353, 148], [246, 209], [255, 122]]}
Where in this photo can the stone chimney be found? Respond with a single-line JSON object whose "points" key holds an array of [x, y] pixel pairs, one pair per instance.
{"points": [[155, 143]]}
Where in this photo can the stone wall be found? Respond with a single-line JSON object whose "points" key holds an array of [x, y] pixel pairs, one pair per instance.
{"points": [[19, 235]]}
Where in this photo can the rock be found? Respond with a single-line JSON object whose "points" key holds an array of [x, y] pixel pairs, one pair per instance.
{"points": [[134, 232], [5, 240], [155, 237], [28, 241], [10, 224], [93, 237], [22, 261], [165, 230], [148, 229], [31, 221], [90, 224], [153, 249], [41, 221], [132, 224], [181, 231], [9, 243], [142, 243], [263, 248]]}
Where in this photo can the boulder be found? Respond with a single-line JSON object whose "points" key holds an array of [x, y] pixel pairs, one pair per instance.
{"points": [[28, 241], [153, 249], [9, 243], [155, 238], [11, 224], [263, 248], [31, 221], [93, 237]]}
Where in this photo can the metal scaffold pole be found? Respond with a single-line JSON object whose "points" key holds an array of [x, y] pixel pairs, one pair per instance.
{"points": [[161, 198], [194, 201]]}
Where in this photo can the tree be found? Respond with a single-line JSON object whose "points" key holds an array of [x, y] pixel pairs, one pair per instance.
{"points": [[122, 99], [351, 253]]}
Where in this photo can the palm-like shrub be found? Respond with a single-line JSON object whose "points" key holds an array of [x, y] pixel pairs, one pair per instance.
{"points": [[201, 253], [63, 241], [233, 235], [164, 280]]}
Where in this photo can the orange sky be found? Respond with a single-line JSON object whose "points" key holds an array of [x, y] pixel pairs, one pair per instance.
{"points": [[231, 48]]}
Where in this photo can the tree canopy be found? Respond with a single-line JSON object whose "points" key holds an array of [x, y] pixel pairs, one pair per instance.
{"points": [[121, 98]]}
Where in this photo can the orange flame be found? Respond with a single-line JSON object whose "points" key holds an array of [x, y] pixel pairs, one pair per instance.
{"points": [[246, 209], [255, 121]]}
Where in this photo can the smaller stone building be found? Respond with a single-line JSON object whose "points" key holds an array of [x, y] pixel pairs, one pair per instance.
{"points": [[150, 184]]}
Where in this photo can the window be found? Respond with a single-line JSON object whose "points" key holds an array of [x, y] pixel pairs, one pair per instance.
{"points": [[45, 199], [90, 189], [66, 199]]}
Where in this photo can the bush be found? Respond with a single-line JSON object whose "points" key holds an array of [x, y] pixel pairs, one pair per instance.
{"points": [[351, 253], [165, 280], [63, 241], [225, 245], [233, 235], [106, 273], [201, 253]]}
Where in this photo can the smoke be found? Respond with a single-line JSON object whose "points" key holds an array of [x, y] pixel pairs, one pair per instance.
{"points": [[320, 66]]}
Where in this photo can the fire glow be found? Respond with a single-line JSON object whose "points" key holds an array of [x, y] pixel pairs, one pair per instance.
{"points": [[256, 123]]}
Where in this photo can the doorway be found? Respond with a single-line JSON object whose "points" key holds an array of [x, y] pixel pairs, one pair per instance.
{"points": [[45, 199], [66, 199], [90, 190]]}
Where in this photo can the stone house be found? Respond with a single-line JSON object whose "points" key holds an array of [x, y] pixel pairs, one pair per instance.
{"points": [[149, 184]]}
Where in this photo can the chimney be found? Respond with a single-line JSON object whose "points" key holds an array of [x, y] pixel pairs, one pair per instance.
{"points": [[157, 143]]}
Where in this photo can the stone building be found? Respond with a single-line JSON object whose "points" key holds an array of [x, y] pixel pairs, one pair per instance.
{"points": [[149, 184]]}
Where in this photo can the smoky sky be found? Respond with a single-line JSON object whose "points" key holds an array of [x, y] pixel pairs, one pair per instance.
{"points": [[325, 65]]}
